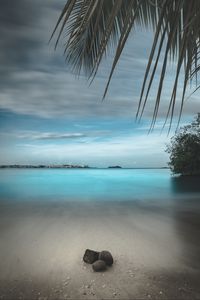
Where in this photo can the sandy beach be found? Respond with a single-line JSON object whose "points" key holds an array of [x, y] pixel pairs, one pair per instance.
{"points": [[156, 250]]}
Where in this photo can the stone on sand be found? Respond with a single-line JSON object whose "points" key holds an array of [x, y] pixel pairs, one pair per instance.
{"points": [[90, 256], [106, 256], [99, 266]]}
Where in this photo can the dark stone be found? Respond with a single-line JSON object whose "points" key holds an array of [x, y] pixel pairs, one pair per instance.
{"points": [[90, 256], [107, 257], [99, 266]]}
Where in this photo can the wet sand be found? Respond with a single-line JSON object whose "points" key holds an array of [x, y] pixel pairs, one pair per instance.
{"points": [[156, 249]]}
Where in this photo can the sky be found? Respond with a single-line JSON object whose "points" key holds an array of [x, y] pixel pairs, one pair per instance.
{"points": [[48, 115]]}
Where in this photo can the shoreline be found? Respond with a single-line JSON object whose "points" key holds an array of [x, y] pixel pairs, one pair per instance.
{"points": [[84, 167]]}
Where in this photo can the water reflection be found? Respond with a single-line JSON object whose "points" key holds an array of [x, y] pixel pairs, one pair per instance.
{"points": [[185, 184], [187, 224], [187, 217]]}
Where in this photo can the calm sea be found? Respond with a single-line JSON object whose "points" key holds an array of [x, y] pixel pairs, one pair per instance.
{"points": [[95, 184]]}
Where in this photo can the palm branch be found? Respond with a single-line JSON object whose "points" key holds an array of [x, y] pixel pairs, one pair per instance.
{"points": [[91, 27]]}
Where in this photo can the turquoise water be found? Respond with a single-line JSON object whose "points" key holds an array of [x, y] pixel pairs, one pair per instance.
{"points": [[94, 184]]}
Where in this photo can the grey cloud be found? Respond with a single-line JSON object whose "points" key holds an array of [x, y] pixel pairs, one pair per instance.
{"points": [[34, 79], [25, 28], [59, 94], [16, 19]]}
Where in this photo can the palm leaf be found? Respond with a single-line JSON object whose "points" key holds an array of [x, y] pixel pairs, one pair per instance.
{"points": [[91, 27]]}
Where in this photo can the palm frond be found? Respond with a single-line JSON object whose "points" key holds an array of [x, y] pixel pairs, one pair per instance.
{"points": [[91, 27]]}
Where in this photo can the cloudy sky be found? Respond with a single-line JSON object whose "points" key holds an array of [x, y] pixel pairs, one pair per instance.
{"points": [[47, 115]]}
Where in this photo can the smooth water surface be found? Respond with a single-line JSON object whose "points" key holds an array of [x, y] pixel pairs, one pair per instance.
{"points": [[94, 184]]}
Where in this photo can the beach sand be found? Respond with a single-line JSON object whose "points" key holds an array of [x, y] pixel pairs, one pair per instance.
{"points": [[156, 250]]}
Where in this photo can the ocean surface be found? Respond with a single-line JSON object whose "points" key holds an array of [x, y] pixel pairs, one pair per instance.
{"points": [[95, 184], [148, 219]]}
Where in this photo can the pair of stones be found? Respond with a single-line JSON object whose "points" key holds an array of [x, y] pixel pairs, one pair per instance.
{"points": [[99, 260]]}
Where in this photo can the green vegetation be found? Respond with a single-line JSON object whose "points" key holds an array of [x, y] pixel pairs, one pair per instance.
{"points": [[185, 149]]}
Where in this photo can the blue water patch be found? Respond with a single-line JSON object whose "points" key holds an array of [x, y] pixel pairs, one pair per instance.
{"points": [[92, 184]]}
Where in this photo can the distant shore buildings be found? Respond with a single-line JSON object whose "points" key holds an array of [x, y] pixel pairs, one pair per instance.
{"points": [[53, 166]]}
